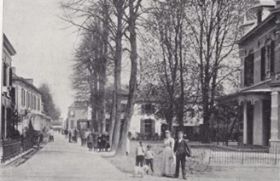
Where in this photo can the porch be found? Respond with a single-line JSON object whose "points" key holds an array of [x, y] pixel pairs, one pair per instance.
{"points": [[261, 118]]}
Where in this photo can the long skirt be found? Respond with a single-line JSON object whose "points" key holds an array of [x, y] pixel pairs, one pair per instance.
{"points": [[168, 162]]}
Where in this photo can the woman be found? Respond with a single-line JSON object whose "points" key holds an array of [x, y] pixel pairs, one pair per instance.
{"points": [[168, 155]]}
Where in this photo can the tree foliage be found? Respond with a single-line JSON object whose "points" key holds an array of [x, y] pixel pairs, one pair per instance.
{"points": [[48, 104]]}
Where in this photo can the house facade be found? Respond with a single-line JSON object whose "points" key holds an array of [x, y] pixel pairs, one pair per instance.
{"points": [[78, 115], [29, 105], [260, 75], [6, 92]]}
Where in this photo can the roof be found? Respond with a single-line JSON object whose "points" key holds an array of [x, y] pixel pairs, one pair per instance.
{"points": [[24, 81], [262, 88], [265, 3], [263, 24], [7, 44]]}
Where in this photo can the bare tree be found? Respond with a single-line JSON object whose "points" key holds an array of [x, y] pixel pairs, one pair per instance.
{"points": [[167, 24], [133, 16], [214, 31]]}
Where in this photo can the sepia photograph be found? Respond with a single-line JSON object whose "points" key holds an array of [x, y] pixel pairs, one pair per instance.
{"points": [[144, 90]]}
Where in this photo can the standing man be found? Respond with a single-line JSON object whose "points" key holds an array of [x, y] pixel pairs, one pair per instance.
{"points": [[181, 149]]}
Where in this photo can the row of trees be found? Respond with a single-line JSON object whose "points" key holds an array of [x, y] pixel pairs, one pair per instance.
{"points": [[180, 58]]}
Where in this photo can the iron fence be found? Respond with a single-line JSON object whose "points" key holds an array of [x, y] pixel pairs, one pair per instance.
{"points": [[214, 157], [11, 148]]}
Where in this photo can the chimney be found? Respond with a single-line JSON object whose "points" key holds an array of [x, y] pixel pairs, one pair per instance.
{"points": [[30, 81]]}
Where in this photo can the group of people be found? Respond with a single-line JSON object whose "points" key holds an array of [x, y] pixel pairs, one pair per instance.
{"points": [[94, 141], [97, 142], [174, 153]]}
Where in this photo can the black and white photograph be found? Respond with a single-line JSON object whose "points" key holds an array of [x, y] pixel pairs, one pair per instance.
{"points": [[144, 90]]}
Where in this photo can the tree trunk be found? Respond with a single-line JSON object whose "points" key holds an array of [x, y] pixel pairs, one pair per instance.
{"points": [[112, 119], [117, 75], [105, 37], [132, 81]]}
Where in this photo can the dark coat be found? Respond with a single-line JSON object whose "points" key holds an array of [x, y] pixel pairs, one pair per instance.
{"points": [[182, 148]]}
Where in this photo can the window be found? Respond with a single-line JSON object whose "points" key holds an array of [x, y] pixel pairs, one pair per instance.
{"points": [[22, 97], [263, 64], [272, 52], [249, 70], [35, 102], [4, 74], [267, 60], [148, 127], [148, 109], [28, 99], [39, 104], [11, 76]]}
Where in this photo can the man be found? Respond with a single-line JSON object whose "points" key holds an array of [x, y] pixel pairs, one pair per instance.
{"points": [[181, 149]]}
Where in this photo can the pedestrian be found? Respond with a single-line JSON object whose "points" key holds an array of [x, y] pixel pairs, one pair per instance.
{"points": [[83, 137], [70, 136], [140, 157], [90, 141], [99, 142], [182, 151], [75, 135], [149, 158], [168, 155]]}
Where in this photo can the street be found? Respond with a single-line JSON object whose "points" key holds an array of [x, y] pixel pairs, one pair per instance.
{"points": [[62, 161], [59, 161]]}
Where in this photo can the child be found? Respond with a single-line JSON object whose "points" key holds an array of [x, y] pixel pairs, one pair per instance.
{"points": [[140, 156], [149, 158]]}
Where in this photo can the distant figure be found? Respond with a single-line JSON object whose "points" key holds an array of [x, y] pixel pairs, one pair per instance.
{"points": [[168, 155], [75, 135], [90, 141], [70, 136], [83, 137], [99, 142], [181, 150]]}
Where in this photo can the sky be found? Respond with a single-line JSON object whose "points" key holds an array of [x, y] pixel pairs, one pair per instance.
{"points": [[44, 45]]}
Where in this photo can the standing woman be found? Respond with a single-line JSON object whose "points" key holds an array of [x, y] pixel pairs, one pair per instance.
{"points": [[168, 155]]}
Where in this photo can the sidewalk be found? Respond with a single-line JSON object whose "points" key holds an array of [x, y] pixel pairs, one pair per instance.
{"points": [[62, 161]]}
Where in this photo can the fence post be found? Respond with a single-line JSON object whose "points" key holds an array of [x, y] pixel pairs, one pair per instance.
{"points": [[275, 161], [210, 154], [242, 157]]}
